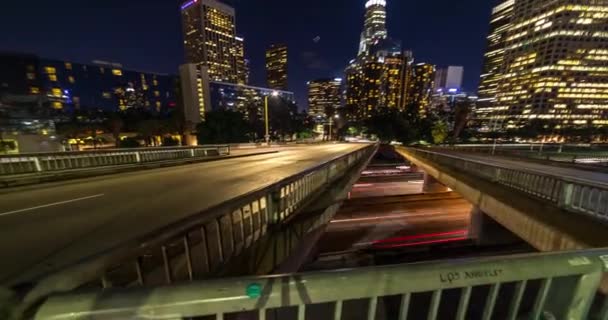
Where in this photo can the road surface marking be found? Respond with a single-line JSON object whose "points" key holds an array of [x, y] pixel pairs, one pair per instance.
{"points": [[393, 216], [51, 204]]}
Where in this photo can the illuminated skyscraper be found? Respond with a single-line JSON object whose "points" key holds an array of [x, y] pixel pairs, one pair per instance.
{"points": [[242, 68], [421, 87], [492, 69], [324, 95], [375, 24], [555, 66], [210, 38], [276, 67]]}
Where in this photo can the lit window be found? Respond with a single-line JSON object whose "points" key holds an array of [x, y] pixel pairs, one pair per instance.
{"points": [[117, 72], [102, 70], [158, 104], [156, 94], [155, 82], [52, 77], [57, 105], [68, 66], [31, 76], [56, 92], [107, 95], [34, 90], [71, 79], [50, 70]]}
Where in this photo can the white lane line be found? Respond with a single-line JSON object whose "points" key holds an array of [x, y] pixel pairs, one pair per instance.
{"points": [[51, 204]]}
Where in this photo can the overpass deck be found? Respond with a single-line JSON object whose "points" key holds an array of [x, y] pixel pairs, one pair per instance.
{"points": [[60, 223]]}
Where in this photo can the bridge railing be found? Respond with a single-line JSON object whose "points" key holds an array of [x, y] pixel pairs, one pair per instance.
{"points": [[570, 154], [46, 162], [201, 245], [540, 286], [577, 195]]}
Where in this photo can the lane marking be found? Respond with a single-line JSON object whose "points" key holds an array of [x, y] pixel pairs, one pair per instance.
{"points": [[51, 204], [393, 216]]}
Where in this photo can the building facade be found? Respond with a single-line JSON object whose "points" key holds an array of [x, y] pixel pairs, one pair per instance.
{"points": [[209, 32], [201, 94], [554, 67], [492, 69], [421, 87], [449, 78], [324, 95], [68, 86], [276, 67]]}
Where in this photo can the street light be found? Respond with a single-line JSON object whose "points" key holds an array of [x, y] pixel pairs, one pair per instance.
{"points": [[331, 121], [267, 136]]}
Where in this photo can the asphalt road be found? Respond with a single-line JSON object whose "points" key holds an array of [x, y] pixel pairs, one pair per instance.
{"points": [[415, 219], [54, 225], [584, 175]]}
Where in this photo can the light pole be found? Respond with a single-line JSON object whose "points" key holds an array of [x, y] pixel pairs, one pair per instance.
{"points": [[331, 121], [267, 136]]}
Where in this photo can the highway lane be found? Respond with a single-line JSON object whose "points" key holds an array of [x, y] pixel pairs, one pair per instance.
{"points": [[363, 222], [57, 224], [573, 173]]}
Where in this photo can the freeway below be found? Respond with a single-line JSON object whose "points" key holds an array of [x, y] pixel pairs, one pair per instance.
{"points": [[48, 227], [384, 221]]}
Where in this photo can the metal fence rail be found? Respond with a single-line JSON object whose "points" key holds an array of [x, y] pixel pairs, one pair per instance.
{"points": [[543, 286], [576, 155], [44, 162], [582, 196], [201, 245]]}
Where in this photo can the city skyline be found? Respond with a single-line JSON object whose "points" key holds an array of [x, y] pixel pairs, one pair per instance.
{"points": [[314, 57]]}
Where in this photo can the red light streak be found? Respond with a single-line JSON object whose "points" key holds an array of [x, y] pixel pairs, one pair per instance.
{"points": [[413, 244], [422, 236]]}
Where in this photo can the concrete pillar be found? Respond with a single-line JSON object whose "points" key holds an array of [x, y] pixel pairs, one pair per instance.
{"points": [[431, 185], [485, 231]]}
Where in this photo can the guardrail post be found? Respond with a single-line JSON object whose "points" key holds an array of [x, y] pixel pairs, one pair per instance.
{"points": [[37, 164], [273, 204], [192, 152], [565, 195], [137, 157]]}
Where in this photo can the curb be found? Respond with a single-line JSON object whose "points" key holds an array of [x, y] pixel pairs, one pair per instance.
{"points": [[7, 183]]}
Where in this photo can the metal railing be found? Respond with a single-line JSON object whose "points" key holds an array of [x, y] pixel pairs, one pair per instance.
{"points": [[201, 245], [541, 286], [575, 154], [573, 194], [45, 162]]}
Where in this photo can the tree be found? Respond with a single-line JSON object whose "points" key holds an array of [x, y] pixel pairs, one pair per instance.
{"points": [[439, 132], [223, 126], [115, 124]]}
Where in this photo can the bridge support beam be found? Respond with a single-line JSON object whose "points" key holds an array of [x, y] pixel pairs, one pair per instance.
{"points": [[432, 185], [485, 231]]}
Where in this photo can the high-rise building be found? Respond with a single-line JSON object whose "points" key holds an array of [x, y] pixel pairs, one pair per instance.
{"points": [[375, 24], [555, 66], [492, 69], [324, 95], [421, 87], [379, 76], [242, 67], [276, 67], [210, 38], [449, 78]]}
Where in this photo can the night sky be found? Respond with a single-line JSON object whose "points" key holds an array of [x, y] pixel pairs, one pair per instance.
{"points": [[146, 34]]}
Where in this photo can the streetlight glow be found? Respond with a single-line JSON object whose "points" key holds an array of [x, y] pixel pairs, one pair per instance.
{"points": [[275, 93]]}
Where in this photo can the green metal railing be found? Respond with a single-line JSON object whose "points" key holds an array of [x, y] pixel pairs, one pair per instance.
{"points": [[48, 162], [541, 286]]}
